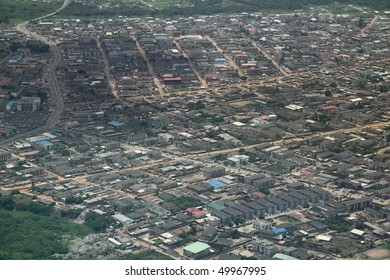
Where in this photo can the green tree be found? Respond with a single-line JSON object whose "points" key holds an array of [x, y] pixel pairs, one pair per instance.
{"points": [[95, 222], [73, 200], [7, 202]]}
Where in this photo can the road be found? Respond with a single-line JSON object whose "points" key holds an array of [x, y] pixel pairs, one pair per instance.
{"points": [[356, 129], [284, 70], [150, 68], [191, 64], [55, 92], [372, 24], [228, 58], [106, 69]]}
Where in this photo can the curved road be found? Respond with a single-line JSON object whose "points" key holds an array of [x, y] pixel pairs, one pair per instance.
{"points": [[56, 98]]}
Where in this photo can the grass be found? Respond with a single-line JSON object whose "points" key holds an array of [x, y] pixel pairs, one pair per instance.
{"points": [[24, 235], [276, 168], [348, 246], [166, 4], [186, 202], [338, 8], [17, 11]]}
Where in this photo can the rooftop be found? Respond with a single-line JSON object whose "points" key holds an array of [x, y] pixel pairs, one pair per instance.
{"points": [[196, 247]]}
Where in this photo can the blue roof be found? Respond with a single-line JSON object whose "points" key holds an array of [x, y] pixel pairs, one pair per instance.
{"points": [[279, 230], [115, 123], [45, 143], [116, 52], [217, 206], [16, 57], [216, 184], [11, 102]]}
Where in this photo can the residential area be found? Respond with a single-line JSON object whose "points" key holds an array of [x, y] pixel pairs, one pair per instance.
{"points": [[241, 136]]}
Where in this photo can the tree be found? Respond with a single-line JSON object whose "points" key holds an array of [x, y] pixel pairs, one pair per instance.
{"points": [[7, 202], [73, 200], [361, 23], [220, 157], [234, 234], [195, 106], [95, 222], [193, 230], [264, 190], [64, 152]]}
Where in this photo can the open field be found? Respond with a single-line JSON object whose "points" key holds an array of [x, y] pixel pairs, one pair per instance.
{"points": [[378, 254]]}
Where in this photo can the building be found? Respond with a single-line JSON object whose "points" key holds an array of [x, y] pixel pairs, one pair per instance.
{"points": [[208, 233], [261, 224], [197, 250], [124, 220], [4, 155], [239, 160], [45, 145], [214, 172], [280, 256], [264, 247], [358, 204]]}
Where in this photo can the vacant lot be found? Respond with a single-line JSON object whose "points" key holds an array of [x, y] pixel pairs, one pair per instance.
{"points": [[378, 254]]}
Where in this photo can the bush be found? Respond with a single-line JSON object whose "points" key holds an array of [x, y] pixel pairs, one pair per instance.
{"points": [[95, 222]]}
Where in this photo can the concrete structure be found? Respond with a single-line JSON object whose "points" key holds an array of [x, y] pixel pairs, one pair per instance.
{"points": [[197, 250], [264, 247]]}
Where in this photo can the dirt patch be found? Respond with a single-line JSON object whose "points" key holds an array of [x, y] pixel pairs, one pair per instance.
{"points": [[378, 254]]}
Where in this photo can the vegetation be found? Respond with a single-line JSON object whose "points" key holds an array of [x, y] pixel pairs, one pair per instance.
{"points": [[337, 223], [313, 86], [195, 106], [37, 47], [234, 234], [18, 11], [221, 157], [8, 202], [24, 235], [172, 8], [186, 202], [73, 200], [276, 168], [264, 190], [95, 222], [322, 118]]}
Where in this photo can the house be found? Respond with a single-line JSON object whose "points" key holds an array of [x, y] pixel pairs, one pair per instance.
{"points": [[208, 233], [264, 247], [238, 160], [214, 172], [358, 204], [4, 155], [197, 250], [124, 220], [261, 224], [246, 211]]}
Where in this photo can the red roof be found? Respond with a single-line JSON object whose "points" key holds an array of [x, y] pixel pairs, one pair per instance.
{"points": [[172, 79], [259, 194], [330, 107]]}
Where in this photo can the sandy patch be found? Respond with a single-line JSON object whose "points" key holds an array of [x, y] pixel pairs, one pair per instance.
{"points": [[378, 254]]}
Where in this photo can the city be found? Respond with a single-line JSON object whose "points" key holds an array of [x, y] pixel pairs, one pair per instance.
{"points": [[234, 136]]}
